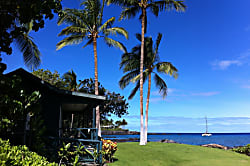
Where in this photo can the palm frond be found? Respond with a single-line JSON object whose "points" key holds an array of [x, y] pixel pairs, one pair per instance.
{"points": [[75, 17], [135, 89], [126, 79], [123, 3], [69, 16], [129, 62], [130, 12], [137, 78], [70, 78], [138, 36], [31, 53], [93, 10], [74, 30], [107, 24], [154, 8], [161, 84], [88, 43], [167, 68], [170, 5], [115, 31], [73, 39], [156, 48], [111, 42]]}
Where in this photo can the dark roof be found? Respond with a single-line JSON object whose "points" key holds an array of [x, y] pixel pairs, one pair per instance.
{"points": [[24, 74]]}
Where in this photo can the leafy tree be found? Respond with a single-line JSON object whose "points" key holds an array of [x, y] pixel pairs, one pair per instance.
{"points": [[114, 104], [152, 64], [130, 9], [15, 13], [15, 105], [119, 123], [107, 122], [52, 78], [87, 25]]}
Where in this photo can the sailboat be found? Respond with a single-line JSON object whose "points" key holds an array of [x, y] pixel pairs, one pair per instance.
{"points": [[206, 134]]}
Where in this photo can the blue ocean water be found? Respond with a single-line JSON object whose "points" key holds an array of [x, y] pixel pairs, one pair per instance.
{"points": [[225, 139]]}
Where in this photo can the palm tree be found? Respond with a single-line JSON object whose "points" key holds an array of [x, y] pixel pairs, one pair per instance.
{"points": [[152, 65], [26, 45], [70, 78], [131, 8], [87, 24]]}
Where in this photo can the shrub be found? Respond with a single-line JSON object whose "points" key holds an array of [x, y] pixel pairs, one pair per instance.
{"points": [[243, 150], [70, 154], [108, 149], [20, 156]]}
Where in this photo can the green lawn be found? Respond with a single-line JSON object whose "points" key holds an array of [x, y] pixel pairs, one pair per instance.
{"points": [[160, 154]]}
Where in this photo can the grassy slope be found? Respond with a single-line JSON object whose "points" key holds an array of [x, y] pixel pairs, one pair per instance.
{"points": [[160, 154]]}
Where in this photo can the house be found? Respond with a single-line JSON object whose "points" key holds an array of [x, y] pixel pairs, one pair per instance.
{"points": [[68, 116]]}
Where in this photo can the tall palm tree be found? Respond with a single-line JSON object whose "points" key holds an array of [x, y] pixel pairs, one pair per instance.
{"points": [[70, 78], [133, 7], [27, 46], [87, 25], [152, 64]]}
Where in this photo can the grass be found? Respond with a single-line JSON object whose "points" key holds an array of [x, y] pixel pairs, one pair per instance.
{"points": [[166, 154]]}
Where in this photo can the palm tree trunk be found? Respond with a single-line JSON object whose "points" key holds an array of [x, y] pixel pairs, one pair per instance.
{"points": [[142, 139], [147, 106], [96, 87]]}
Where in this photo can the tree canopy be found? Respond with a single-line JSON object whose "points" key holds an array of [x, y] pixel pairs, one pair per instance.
{"points": [[15, 13]]}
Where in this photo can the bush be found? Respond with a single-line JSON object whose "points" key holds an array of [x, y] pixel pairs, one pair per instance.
{"points": [[243, 150], [70, 154], [108, 149], [20, 156]]}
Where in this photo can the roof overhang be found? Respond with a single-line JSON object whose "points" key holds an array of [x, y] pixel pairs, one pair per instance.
{"points": [[23, 73]]}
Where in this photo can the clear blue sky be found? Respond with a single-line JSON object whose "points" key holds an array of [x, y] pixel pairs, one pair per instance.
{"points": [[209, 44]]}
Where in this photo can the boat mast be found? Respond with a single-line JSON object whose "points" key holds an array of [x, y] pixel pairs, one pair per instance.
{"points": [[206, 124]]}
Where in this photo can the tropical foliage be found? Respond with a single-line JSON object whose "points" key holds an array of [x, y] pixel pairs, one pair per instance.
{"points": [[130, 9], [52, 78], [152, 65], [122, 122], [115, 103], [70, 80], [243, 149], [20, 156], [87, 25], [27, 46], [70, 154], [15, 13], [16, 106]]}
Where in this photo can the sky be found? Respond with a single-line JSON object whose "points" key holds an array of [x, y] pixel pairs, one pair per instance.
{"points": [[210, 46]]}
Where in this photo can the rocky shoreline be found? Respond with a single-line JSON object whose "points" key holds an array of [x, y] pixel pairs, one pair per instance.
{"points": [[218, 146]]}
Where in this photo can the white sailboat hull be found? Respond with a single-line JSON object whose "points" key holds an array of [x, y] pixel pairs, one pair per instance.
{"points": [[206, 135]]}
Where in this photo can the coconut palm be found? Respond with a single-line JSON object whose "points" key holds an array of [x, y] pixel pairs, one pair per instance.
{"points": [[87, 25], [133, 7], [70, 78], [26, 45], [152, 65]]}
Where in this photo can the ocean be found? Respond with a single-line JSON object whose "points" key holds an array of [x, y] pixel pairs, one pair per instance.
{"points": [[225, 139]]}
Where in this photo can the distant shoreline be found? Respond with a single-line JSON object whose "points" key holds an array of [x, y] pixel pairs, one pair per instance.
{"points": [[127, 132]]}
